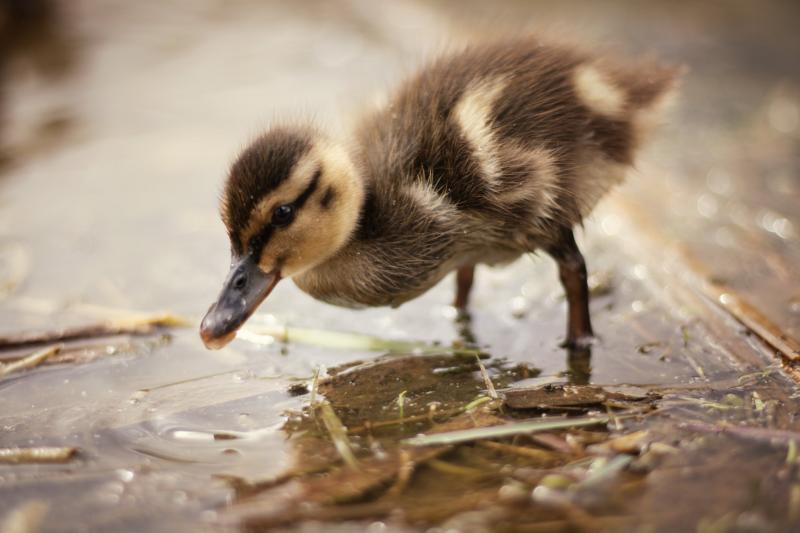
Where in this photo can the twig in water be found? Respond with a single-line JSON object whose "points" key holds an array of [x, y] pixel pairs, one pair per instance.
{"points": [[40, 454], [506, 430], [33, 360], [401, 401], [486, 379], [761, 374], [477, 402], [695, 365], [338, 434], [312, 397], [137, 325], [791, 453], [404, 474]]}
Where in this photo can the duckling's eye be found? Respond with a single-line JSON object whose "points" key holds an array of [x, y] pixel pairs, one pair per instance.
{"points": [[282, 215]]}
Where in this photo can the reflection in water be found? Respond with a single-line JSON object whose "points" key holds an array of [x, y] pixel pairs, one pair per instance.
{"points": [[579, 359], [579, 363], [466, 335]]}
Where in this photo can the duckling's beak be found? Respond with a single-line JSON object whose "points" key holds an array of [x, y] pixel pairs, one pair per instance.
{"points": [[245, 288]]}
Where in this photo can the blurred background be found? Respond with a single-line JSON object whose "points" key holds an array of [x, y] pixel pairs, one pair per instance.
{"points": [[118, 121]]}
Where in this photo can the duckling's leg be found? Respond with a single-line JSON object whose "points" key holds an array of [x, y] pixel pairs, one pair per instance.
{"points": [[464, 278], [572, 271]]}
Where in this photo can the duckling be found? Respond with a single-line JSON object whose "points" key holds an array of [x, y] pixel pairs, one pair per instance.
{"points": [[485, 154]]}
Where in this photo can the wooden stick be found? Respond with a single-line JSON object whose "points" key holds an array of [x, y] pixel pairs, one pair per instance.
{"points": [[33, 360], [39, 454], [144, 325]]}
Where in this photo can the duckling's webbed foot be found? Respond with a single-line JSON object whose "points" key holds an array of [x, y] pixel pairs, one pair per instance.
{"points": [[572, 272], [464, 278]]}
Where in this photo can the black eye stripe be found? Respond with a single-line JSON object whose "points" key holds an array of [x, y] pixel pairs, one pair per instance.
{"points": [[312, 186], [261, 239]]}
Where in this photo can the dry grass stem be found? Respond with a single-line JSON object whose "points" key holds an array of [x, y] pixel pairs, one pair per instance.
{"points": [[135, 325], [338, 434], [39, 454], [505, 430], [487, 380], [31, 361]]}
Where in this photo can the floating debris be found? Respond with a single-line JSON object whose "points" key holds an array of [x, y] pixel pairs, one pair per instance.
{"points": [[505, 430], [648, 347], [33, 360], [477, 402], [298, 389], [487, 380], [338, 434], [314, 387], [559, 396], [401, 404], [135, 325], [38, 454]]}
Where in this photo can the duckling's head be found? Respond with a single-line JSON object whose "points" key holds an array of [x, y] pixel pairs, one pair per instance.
{"points": [[292, 199]]}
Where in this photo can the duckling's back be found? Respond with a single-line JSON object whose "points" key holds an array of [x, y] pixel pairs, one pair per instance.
{"points": [[518, 126]]}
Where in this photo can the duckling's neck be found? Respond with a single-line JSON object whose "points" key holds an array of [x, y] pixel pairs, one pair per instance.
{"points": [[349, 186]]}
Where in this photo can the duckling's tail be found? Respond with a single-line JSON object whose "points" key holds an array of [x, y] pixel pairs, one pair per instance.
{"points": [[629, 100], [652, 91]]}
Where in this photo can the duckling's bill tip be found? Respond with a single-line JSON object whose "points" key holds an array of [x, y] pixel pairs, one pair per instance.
{"points": [[216, 343]]}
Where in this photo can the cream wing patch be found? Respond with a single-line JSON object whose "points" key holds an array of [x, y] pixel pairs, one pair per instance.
{"points": [[423, 195], [541, 186], [473, 113], [597, 91]]}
